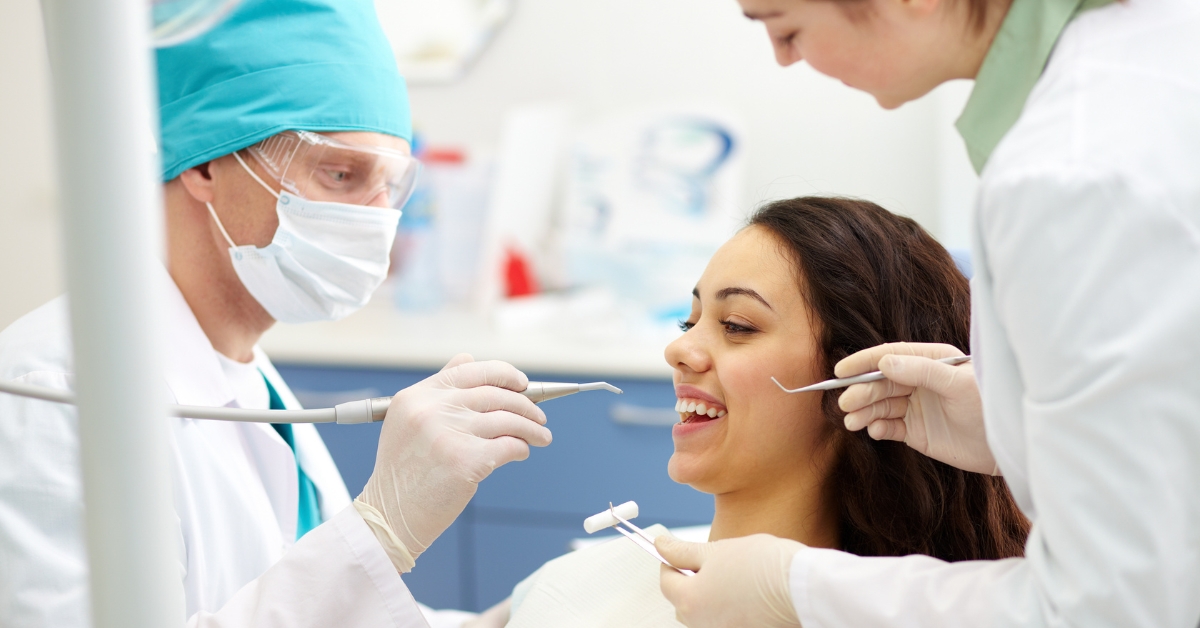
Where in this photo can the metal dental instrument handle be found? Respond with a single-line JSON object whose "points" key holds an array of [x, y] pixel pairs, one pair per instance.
{"points": [[645, 541], [361, 411], [873, 376]]}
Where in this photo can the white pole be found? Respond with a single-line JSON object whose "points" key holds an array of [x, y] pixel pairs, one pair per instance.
{"points": [[111, 211]]}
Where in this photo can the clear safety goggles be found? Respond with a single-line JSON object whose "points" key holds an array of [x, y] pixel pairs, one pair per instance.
{"points": [[320, 168]]}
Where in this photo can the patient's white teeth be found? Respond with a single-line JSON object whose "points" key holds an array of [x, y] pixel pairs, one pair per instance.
{"points": [[701, 408], [712, 413], [691, 406], [720, 414], [678, 402]]}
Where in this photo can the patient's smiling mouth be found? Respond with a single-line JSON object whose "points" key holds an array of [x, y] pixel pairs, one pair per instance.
{"points": [[690, 409], [695, 405]]}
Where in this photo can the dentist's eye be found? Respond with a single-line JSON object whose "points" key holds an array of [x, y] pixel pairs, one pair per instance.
{"points": [[686, 326]]}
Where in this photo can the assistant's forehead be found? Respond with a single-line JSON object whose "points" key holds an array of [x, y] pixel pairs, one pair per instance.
{"points": [[754, 258]]}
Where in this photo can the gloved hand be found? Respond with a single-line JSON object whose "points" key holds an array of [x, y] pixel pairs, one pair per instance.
{"points": [[738, 582], [441, 437], [932, 407]]}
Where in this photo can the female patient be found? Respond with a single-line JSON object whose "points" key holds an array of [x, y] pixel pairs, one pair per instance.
{"points": [[808, 282]]}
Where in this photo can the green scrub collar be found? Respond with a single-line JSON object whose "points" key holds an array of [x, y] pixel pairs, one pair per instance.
{"points": [[1011, 68]]}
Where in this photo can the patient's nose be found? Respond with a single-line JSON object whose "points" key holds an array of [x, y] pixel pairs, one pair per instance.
{"points": [[687, 355]]}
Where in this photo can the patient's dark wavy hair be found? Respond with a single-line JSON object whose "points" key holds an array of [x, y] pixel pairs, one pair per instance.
{"points": [[870, 277]]}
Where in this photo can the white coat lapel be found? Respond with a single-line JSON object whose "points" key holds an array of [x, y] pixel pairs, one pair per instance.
{"points": [[277, 467], [310, 449]]}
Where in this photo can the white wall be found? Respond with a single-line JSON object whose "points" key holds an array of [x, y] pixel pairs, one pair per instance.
{"points": [[30, 273], [806, 134], [954, 177]]}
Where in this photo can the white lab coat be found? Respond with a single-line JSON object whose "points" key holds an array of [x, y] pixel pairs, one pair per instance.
{"points": [[235, 487], [1087, 350]]}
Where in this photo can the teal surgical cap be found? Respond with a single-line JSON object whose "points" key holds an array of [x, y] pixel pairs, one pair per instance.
{"points": [[276, 65]]}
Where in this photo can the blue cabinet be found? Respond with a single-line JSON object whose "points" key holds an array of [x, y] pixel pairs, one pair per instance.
{"points": [[525, 513]]}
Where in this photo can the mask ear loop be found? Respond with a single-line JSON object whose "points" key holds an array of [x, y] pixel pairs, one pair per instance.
{"points": [[252, 174], [213, 212]]}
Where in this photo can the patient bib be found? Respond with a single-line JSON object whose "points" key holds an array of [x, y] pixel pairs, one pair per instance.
{"points": [[611, 585]]}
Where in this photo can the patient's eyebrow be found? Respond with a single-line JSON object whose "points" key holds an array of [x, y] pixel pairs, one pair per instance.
{"points": [[725, 293], [759, 17]]}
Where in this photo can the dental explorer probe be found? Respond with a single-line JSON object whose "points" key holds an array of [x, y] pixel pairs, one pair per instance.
{"points": [[873, 376], [361, 411]]}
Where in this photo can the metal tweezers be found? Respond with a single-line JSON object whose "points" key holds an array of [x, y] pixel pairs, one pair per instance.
{"points": [[643, 540]]}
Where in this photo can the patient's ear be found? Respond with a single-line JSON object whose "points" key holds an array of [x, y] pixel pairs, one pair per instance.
{"points": [[198, 182]]}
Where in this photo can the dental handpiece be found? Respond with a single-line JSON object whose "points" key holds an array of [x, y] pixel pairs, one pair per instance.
{"points": [[545, 391], [537, 392], [360, 411]]}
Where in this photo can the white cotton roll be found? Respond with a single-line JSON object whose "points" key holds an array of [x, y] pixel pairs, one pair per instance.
{"points": [[602, 520]]}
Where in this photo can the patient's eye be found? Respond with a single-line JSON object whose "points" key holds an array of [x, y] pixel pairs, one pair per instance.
{"points": [[686, 326], [734, 328]]}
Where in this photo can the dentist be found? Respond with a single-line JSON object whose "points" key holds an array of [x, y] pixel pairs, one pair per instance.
{"points": [[1084, 125], [285, 161]]}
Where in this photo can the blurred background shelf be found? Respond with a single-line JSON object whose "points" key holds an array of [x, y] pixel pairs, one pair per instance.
{"points": [[380, 336]]}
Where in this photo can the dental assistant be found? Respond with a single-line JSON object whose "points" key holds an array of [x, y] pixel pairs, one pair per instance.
{"points": [[1084, 125], [285, 159]]}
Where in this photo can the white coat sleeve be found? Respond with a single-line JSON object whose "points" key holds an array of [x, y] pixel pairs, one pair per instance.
{"points": [[43, 560], [337, 575], [1096, 284]]}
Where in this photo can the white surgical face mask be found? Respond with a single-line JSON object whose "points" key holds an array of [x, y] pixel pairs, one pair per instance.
{"points": [[324, 261]]}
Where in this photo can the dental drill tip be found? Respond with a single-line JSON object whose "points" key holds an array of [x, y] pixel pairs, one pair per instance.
{"points": [[601, 386]]}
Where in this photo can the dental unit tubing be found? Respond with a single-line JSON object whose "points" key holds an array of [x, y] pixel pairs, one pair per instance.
{"points": [[360, 411]]}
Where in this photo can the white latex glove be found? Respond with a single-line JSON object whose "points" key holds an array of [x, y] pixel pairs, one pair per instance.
{"points": [[738, 582], [932, 407], [441, 437]]}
